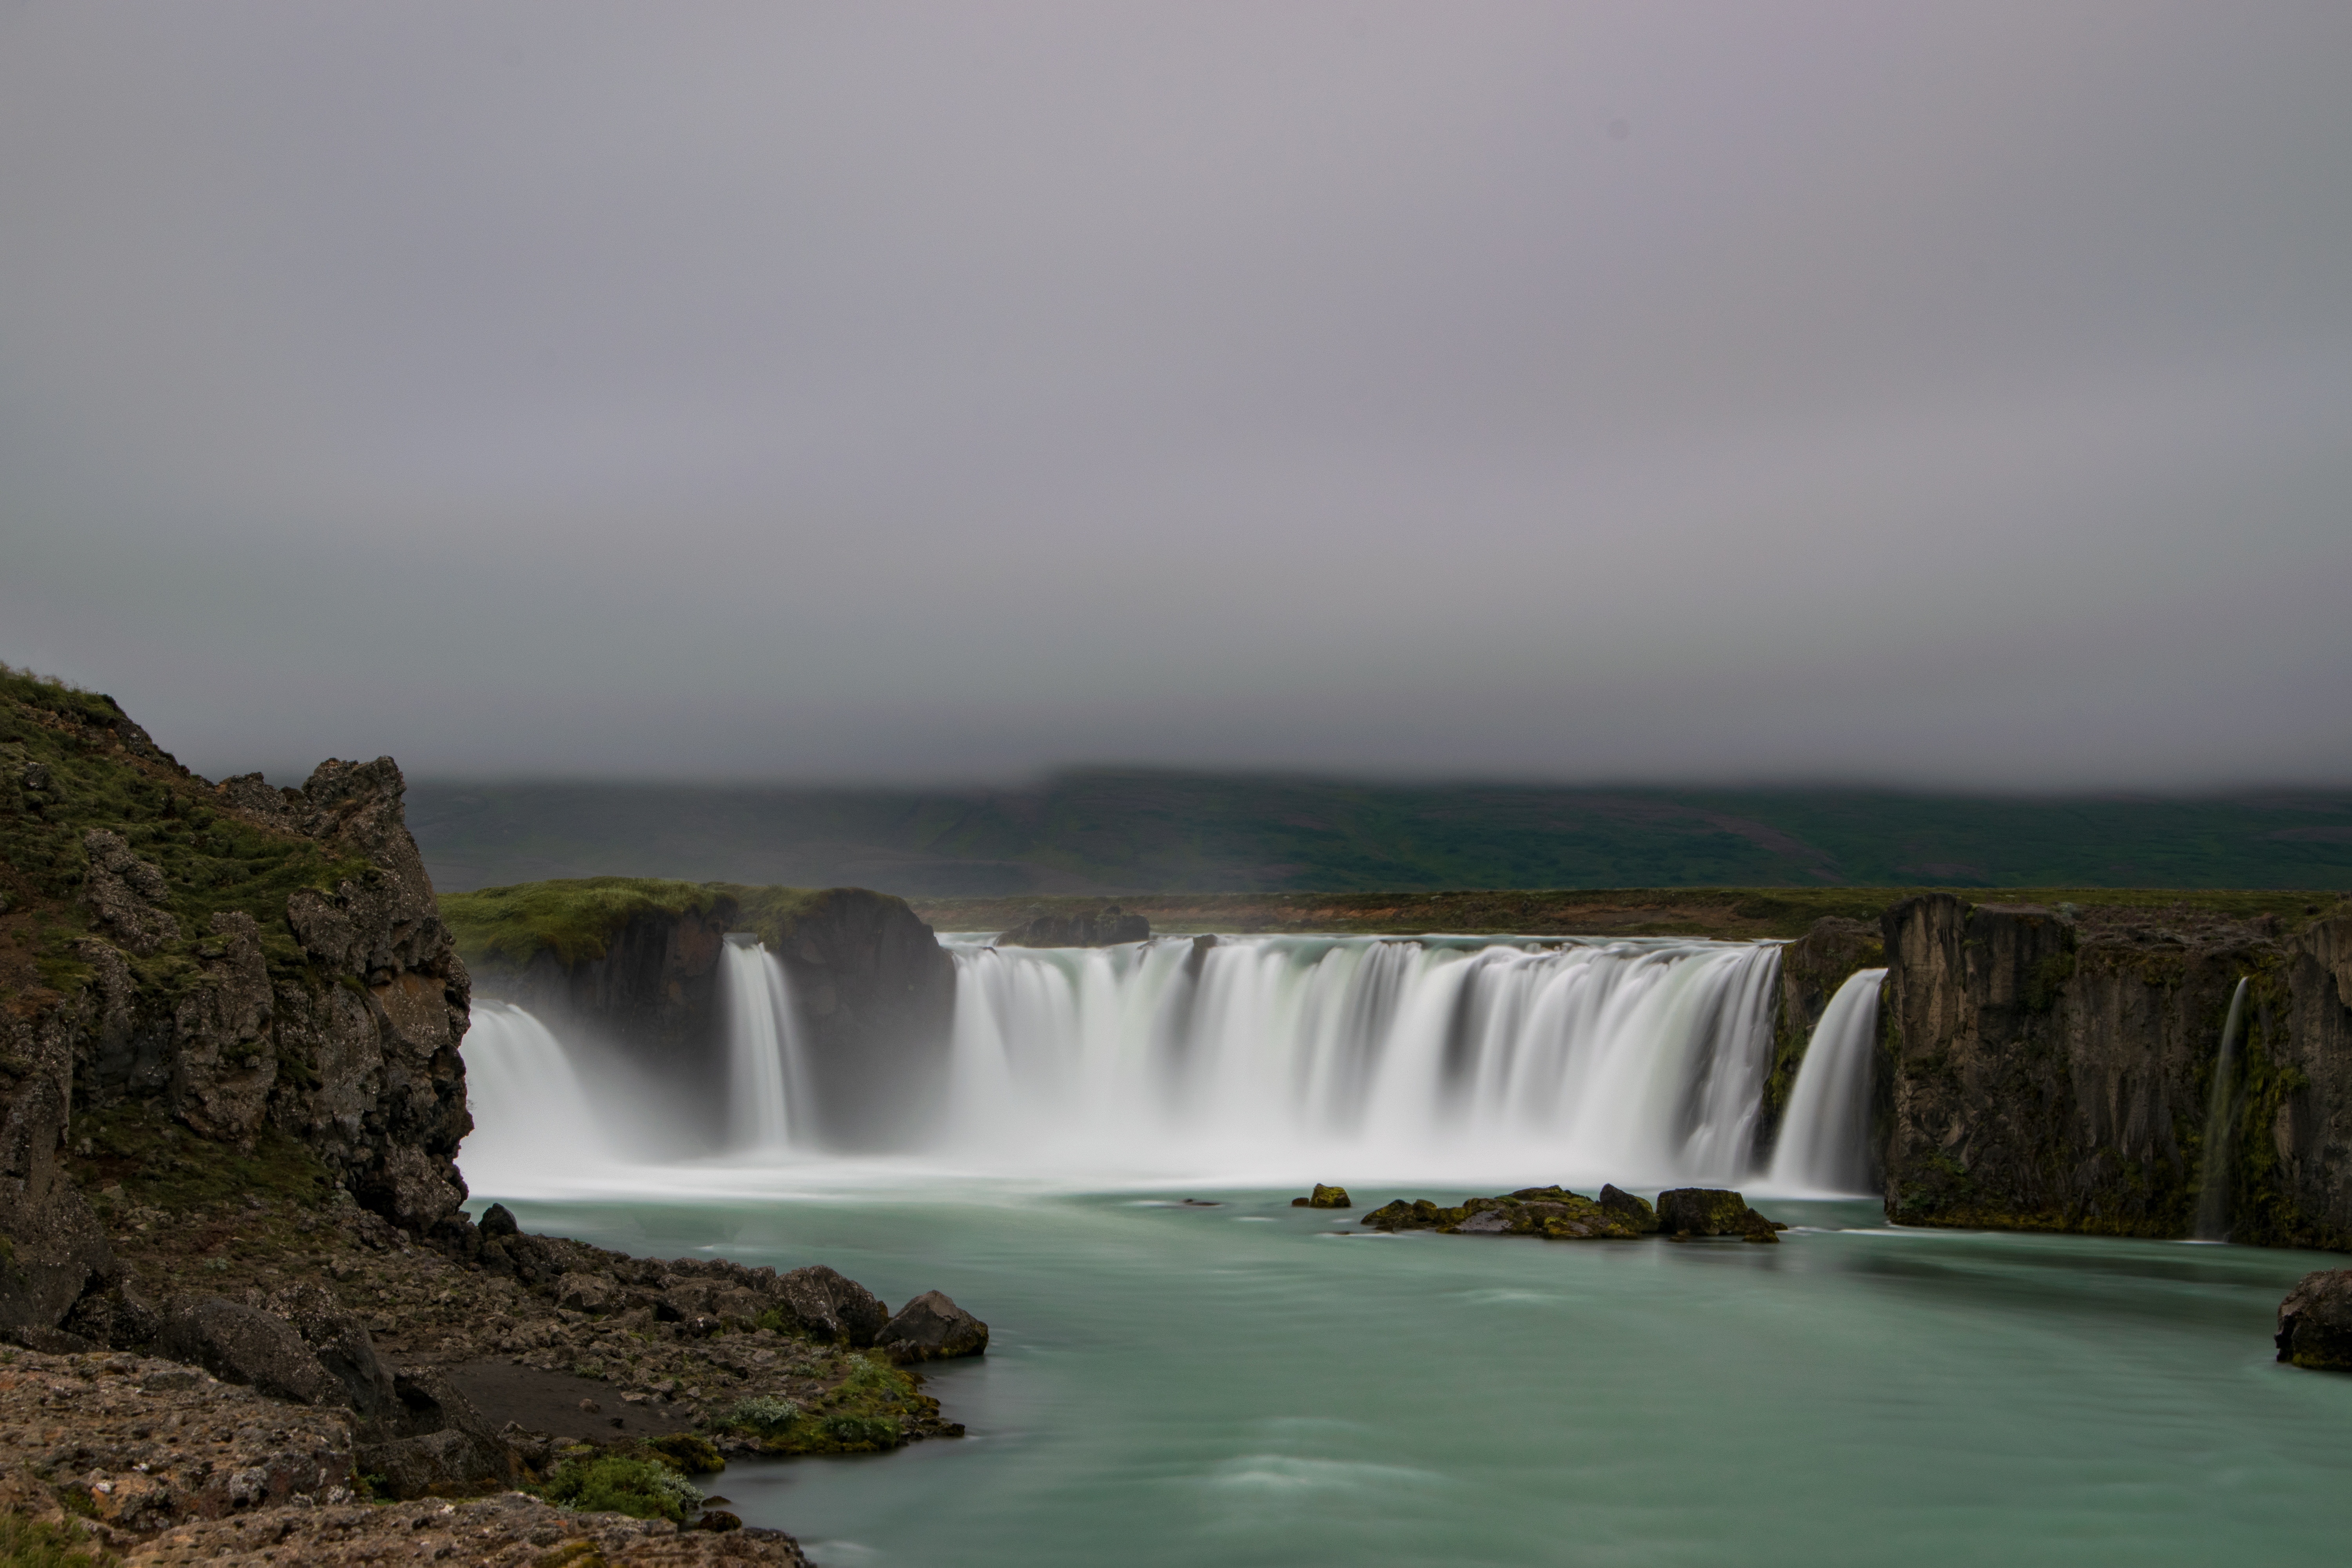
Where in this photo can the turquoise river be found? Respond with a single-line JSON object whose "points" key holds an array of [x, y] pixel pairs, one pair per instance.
{"points": [[1250, 1384]]}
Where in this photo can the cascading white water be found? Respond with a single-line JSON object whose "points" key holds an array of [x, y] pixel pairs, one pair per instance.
{"points": [[758, 1033], [1824, 1143], [2213, 1191], [531, 1112], [1635, 1062]]}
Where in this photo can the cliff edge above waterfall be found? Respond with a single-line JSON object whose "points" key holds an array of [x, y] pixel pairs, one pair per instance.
{"points": [[636, 962]]}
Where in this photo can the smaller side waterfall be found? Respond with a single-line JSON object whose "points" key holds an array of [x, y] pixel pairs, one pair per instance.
{"points": [[2213, 1192], [759, 1047], [1824, 1143], [532, 1114]]}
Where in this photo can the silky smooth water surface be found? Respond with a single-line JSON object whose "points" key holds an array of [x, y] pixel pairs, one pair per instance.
{"points": [[1253, 1383]]}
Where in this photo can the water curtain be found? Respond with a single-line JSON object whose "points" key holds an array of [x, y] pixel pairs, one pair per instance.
{"points": [[1825, 1142], [1635, 1062]]}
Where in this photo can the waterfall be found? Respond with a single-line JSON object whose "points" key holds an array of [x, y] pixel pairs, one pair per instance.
{"points": [[1824, 1143], [2213, 1192], [758, 1036], [532, 1114], [1637, 1062]]}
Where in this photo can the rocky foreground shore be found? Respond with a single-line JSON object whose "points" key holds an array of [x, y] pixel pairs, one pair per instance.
{"points": [[247, 1316]]}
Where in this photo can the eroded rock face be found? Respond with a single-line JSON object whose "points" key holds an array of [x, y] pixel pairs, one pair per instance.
{"points": [[931, 1328], [126, 895], [2052, 1069], [2315, 1321], [1811, 970], [56, 1249]]}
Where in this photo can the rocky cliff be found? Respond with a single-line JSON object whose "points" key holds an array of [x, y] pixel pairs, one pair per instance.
{"points": [[259, 972], [637, 963], [2051, 1068]]}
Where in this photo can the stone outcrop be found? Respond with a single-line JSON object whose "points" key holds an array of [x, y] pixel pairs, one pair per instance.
{"points": [[1712, 1211], [229, 964], [1106, 927], [1325, 1197], [2049, 1068], [2315, 1321], [828, 1305]]}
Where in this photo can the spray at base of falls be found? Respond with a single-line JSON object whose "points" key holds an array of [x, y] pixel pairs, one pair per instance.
{"points": [[1269, 1060], [1824, 1143], [2213, 1189], [532, 1114]]}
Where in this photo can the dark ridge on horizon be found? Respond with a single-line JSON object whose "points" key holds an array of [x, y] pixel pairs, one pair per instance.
{"points": [[1080, 831]]}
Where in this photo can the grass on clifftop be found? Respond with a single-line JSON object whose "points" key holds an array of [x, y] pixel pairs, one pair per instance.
{"points": [[577, 918], [71, 760]]}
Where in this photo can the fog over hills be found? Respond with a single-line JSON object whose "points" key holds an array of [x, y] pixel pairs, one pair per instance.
{"points": [[1137, 831]]}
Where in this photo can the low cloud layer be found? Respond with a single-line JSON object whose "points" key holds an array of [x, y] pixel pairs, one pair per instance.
{"points": [[1949, 396]]}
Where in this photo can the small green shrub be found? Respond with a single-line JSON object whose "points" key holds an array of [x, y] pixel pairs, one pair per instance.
{"points": [[763, 1414], [27, 1543], [620, 1483], [850, 1431]]}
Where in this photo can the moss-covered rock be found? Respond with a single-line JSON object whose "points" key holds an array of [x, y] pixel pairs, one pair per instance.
{"points": [[1325, 1197], [1712, 1211]]}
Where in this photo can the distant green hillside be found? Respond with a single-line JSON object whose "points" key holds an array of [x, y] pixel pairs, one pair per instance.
{"points": [[1157, 832]]}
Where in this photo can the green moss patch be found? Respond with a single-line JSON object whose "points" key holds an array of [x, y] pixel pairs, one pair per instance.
{"points": [[632, 1484]]}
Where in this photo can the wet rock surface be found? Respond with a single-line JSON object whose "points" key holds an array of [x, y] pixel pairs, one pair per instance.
{"points": [[1559, 1215], [932, 1327], [2315, 1321], [1324, 1198]]}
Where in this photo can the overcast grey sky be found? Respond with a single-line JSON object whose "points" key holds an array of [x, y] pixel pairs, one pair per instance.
{"points": [[1954, 394]]}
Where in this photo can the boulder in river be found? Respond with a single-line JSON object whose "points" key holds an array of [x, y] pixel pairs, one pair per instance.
{"points": [[1553, 1213], [1325, 1197], [1712, 1211], [932, 1327], [1628, 1209], [2315, 1321]]}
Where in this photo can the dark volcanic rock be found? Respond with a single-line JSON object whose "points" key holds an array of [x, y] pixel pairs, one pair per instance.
{"points": [[1628, 1209], [238, 1343], [1712, 1211], [831, 1306], [2051, 1068], [433, 1440], [932, 1327], [1106, 927], [2315, 1321], [1325, 1197]]}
